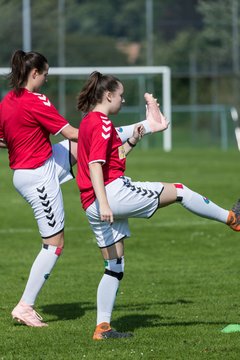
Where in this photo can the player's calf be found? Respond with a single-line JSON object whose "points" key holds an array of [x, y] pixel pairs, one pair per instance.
{"points": [[114, 269]]}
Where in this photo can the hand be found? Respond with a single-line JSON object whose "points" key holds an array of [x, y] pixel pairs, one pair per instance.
{"points": [[106, 213], [138, 132]]}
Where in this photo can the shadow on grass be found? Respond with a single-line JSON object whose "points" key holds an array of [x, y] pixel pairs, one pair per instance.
{"points": [[73, 311], [129, 322], [137, 321], [68, 311]]}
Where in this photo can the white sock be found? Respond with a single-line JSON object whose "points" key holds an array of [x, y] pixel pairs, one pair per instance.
{"points": [[40, 272], [126, 132], [200, 205], [106, 295]]}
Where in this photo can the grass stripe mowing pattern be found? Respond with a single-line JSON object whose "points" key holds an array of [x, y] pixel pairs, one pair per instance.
{"points": [[181, 282]]}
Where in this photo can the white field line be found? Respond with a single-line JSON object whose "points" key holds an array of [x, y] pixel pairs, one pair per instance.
{"points": [[172, 224]]}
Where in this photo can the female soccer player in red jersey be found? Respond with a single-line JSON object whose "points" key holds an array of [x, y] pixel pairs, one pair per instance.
{"points": [[110, 198], [27, 118]]}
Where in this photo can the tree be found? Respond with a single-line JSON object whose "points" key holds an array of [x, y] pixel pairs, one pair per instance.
{"points": [[11, 23], [216, 38]]}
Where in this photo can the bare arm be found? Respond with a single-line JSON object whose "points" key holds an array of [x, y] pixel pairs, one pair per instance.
{"points": [[138, 133], [96, 175], [70, 133]]}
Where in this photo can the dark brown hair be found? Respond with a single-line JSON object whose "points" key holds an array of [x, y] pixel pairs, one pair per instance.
{"points": [[93, 90], [22, 63]]}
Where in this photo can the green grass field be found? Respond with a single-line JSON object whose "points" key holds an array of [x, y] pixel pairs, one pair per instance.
{"points": [[182, 272]]}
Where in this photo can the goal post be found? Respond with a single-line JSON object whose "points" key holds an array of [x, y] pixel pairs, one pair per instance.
{"points": [[163, 71]]}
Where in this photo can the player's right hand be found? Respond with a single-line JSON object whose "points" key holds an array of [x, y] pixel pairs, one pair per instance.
{"points": [[106, 214]]}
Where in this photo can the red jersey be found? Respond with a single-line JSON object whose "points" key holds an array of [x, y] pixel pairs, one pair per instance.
{"points": [[26, 122], [98, 141]]}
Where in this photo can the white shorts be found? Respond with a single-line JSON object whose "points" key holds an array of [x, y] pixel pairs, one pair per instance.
{"points": [[127, 199], [41, 189]]}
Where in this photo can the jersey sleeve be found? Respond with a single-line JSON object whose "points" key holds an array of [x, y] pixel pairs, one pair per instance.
{"points": [[101, 137], [47, 115]]}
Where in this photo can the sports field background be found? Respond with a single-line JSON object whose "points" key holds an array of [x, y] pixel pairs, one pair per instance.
{"points": [[181, 283]]}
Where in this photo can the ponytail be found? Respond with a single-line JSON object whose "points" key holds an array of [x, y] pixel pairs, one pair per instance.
{"points": [[93, 90], [21, 65]]}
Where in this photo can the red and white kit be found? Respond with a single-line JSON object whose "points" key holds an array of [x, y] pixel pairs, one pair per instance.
{"points": [[26, 122], [99, 142]]}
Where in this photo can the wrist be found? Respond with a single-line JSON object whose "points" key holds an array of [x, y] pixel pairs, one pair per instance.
{"points": [[132, 141]]}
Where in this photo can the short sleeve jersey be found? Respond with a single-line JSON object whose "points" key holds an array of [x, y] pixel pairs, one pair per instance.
{"points": [[98, 142], [26, 122]]}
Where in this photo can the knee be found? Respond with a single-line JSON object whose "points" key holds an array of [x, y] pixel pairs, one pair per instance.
{"points": [[56, 240], [115, 267], [180, 191]]}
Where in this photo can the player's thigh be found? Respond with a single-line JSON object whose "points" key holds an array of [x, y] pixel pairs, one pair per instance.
{"points": [[41, 189], [130, 199], [106, 234], [62, 154], [168, 195]]}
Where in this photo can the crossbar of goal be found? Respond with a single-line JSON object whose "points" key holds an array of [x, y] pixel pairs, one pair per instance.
{"points": [[164, 71]]}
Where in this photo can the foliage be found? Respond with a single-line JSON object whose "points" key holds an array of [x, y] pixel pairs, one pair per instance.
{"points": [[216, 38], [10, 25], [195, 39], [201, 27], [177, 55]]}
